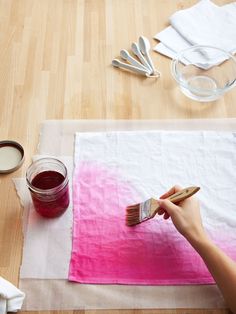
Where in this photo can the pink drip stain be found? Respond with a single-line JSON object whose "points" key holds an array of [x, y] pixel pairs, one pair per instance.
{"points": [[105, 250]]}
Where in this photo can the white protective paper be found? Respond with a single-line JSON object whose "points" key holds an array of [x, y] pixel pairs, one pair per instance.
{"points": [[57, 138], [47, 242]]}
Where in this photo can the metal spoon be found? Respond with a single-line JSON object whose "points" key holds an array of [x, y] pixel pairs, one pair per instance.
{"points": [[118, 64], [126, 56], [137, 52], [144, 46]]}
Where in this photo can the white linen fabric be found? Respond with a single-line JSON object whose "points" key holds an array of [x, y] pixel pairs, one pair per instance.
{"points": [[207, 24], [202, 24], [153, 161], [172, 40], [11, 298]]}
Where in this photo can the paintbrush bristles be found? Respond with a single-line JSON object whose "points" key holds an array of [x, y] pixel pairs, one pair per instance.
{"points": [[133, 215], [138, 213]]}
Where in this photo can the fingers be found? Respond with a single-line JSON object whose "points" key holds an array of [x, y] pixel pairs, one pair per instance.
{"points": [[167, 207], [166, 215], [161, 211], [173, 190]]}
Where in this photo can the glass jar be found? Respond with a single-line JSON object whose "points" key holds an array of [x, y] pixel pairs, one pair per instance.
{"points": [[47, 180]]}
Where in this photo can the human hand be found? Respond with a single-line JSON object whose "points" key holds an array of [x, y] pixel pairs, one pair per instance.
{"points": [[185, 216]]}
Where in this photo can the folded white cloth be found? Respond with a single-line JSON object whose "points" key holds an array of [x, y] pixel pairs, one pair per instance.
{"points": [[11, 298], [172, 39], [164, 50], [203, 24], [171, 42], [207, 24]]}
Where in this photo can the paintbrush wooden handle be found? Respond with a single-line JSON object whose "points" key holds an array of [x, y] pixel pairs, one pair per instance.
{"points": [[183, 194]]}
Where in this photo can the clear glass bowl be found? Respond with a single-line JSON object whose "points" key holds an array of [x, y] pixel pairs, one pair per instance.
{"points": [[204, 73]]}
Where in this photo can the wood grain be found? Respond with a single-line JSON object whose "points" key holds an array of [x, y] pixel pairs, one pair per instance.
{"points": [[56, 64]]}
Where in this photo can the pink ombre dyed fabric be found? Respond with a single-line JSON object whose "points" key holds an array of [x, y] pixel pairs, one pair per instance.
{"points": [[105, 250], [117, 169]]}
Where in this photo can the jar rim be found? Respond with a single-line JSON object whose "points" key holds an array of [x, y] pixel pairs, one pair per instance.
{"points": [[51, 190]]}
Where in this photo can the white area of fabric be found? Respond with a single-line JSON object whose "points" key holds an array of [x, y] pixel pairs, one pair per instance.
{"points": [[202, 24], [153, 161], [11, 298], [57, 139]]}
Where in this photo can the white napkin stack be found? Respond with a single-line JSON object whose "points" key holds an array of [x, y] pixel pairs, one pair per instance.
{"points": [[203, 24], [11, 298]]}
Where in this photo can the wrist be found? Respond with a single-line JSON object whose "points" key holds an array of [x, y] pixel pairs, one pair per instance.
{"points": [[199, 241]]}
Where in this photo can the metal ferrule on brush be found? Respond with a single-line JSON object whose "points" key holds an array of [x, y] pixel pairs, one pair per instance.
{"points": [[144, 211]]}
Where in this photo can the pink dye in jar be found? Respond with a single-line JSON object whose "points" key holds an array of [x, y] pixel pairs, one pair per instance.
{"points": [[47, 181]]}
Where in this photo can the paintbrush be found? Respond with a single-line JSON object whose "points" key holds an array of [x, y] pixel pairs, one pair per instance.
{"points": [[141, 212]]}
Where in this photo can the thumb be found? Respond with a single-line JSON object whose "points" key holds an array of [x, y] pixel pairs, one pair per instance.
{"points": [[166, 206]]}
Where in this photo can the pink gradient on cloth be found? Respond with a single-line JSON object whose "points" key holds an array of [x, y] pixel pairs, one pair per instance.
{"points": [[105, 250]]}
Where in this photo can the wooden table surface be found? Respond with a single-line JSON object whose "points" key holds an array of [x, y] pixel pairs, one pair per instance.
{"points": [[56, 64]]}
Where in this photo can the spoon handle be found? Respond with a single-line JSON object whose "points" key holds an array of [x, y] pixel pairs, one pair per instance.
{"points": [[149, 60], [144, 61], [137, 64], [129, 67], [137, 52]]}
